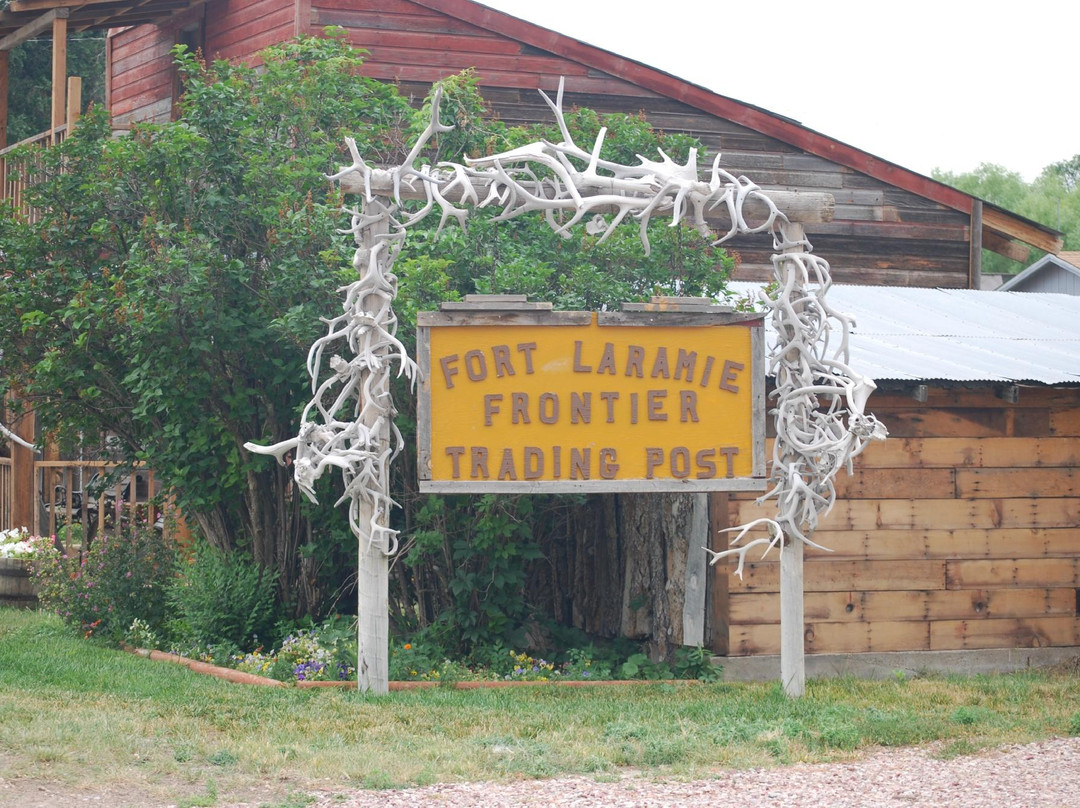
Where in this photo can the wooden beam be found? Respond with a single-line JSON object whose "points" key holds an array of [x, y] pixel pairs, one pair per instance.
{"points": [[3, 98], [23, 497], [23, 6], [798, 206], [59, 70], [1004, 246], [32, 28], [74, 100], [1012, 227], [697, 571], [792, 622]]}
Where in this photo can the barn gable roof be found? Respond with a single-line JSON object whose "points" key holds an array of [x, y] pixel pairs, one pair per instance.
{"points": [[999, 221], [1058, 265], [523, 39]]}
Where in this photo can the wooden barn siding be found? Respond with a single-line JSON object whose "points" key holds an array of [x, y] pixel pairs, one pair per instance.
{"points": [[241, 28], [141, 73], [141, 76], [961, 531], [881, 235]]}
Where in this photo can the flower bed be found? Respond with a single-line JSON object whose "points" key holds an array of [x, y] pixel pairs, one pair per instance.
{"points": [[17, 549]]}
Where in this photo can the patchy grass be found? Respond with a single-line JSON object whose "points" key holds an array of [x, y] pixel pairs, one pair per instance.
{"points": [[87, 717]]}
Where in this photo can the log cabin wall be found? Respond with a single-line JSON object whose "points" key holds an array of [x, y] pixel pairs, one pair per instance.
{"points": [[142, 80], [881, 234], [962, 531]]}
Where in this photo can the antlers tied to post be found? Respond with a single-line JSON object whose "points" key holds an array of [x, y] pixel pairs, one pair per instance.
{"points": [[568, 184]]}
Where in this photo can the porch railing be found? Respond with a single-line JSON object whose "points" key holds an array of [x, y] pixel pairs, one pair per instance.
{"points": [[12, 184]]}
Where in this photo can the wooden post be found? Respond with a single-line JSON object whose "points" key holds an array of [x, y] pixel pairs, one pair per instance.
{"points": [[74, 101], [975, 246], [792, 652], [59, 70], [697, 571], [24, 511], [372, 585]]}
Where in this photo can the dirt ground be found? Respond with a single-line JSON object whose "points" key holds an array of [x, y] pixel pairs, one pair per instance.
{"points": [[1038, 775]]}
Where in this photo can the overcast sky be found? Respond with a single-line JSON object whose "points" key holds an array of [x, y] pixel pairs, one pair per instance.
{"points": [[947, 84]]}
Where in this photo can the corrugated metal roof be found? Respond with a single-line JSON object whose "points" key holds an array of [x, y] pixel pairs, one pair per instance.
{"points": [[959, 335]]}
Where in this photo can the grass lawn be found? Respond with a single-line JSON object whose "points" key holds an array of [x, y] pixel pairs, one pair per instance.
{"points": [[82, 718]]}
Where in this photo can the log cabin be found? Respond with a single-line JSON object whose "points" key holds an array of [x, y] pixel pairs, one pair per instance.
{"points": [[974, 568]]}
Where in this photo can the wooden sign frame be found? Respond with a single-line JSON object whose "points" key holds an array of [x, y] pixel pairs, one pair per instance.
{"points": [[487, 361]]}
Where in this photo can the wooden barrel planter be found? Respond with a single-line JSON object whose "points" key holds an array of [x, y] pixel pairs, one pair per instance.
{"points": [[16, 585]]}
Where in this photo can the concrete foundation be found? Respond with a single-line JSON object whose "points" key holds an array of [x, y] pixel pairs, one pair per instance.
{"points": [[906, 663]]}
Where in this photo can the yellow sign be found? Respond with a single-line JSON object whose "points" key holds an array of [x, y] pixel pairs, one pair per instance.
{"points": [[586, 407]]}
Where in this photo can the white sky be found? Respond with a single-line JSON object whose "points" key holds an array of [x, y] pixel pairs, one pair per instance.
{"points": [[947, 84]]}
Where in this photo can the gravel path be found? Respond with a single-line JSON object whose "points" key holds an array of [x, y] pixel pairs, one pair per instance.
{"points": [[1038, 775]]}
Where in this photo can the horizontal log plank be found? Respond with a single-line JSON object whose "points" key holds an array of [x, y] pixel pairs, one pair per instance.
{"points": [[1024, 632], [1046, 482], [834, 638], [859, 607], [896, 483], [1012, 572], [967, 422], [931, 514], [983, 395], [1065, 422], [905, 453], [865, 274], [844, 576], [972, 543]]}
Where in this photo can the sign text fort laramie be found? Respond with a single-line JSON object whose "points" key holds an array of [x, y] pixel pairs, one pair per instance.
{"points": [[515, 397]]}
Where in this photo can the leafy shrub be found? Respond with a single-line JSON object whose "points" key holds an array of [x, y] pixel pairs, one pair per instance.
{"points": [[222, 599], [695, 662], [102, 591]]}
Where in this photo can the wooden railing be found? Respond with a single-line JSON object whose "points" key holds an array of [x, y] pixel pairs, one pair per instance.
{"points": [[78, 500], [13, 184], [93, 497]]}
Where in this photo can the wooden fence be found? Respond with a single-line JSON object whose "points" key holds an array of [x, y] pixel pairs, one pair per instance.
{"points": [[85, 498]]}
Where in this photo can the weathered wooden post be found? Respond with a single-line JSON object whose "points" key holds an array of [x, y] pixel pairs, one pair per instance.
{"points": [[372, 593], [792, 624]]}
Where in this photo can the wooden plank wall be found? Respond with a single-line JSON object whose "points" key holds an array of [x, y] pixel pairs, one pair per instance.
{"points": [[962, 531], [141, 73]]}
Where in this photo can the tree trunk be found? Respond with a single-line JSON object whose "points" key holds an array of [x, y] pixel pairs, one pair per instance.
{"points": [[628, 567], [654, 531]]}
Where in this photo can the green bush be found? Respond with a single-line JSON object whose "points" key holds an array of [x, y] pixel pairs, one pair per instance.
{"points": [[103, 590], [222, 599]]}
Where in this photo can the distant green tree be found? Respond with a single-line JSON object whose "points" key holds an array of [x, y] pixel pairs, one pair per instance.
{"points": [[30, 80], [1053, 199]]}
